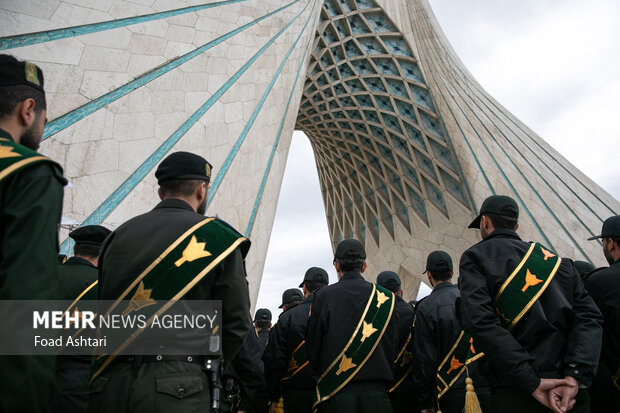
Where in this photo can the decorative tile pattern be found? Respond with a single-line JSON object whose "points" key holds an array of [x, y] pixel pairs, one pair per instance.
{"points": [[374, 118]]}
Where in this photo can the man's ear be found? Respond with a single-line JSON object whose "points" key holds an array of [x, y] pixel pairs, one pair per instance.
{"points": [[160, 193], [26, 113], [201, 191], [336, 266], [364, 267]]}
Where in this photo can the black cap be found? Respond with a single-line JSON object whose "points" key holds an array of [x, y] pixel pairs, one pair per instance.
{"points": [[16, 72], [315, 274], [583, 267], [499, 205], [611, 228], [291, 295], [262, 314], [438, 261], [350, 248], [388, 279], [183, 165], [90, 234]]}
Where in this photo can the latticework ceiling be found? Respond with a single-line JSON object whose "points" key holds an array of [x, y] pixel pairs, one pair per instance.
{"points": [[380, 147]]}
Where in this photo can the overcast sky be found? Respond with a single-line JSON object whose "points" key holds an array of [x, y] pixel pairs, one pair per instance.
{"points": [[555, 64]]}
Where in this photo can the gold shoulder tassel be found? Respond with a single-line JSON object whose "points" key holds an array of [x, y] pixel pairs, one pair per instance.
{"points": [[472, 405]]}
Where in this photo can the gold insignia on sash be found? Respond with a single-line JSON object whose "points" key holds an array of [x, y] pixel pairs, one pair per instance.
{"points": [[530, 281], [293, 365], [368, 330], [381, 298], [471, 345], [193, 251], [547, 253], [454, 364], [141, 298], [345, 364], [7, 152], [406, 358]]}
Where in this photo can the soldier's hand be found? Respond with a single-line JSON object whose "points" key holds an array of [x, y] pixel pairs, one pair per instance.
{"points": [[563, 397], [541, 394], [273, 406]]}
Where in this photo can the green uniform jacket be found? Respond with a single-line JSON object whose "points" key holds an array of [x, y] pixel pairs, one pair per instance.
{"points": [[30, 209], [74, 277], [138, 242]]}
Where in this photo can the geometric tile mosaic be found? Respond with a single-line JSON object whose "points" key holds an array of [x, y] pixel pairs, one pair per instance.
{"points": [[379, 145]]}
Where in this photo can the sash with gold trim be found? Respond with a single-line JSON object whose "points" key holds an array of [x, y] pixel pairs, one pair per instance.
{"points": [[367, 334], [90, 293], [402, 364], [515, 297], [14, 157], [299, 360], [186, 262]]}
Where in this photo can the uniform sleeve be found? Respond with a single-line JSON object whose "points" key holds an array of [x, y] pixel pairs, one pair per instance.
{"points": [[31, 209], [425, 360], [249, 370], [275, 358], [315, 332], [479, 319], [232, 288], [585, 336]]}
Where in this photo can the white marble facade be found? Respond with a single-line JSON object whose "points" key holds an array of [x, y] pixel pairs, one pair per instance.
{"points": [[132, 81]]}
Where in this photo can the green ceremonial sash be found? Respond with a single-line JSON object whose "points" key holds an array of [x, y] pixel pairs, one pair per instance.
{"points": [[299, 360], [402, 364], [89, 293], [174, 273], [513, 300], [368, 333], [14, 157]]}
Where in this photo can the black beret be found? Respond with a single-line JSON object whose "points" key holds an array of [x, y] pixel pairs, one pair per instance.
{"points": [[90, 234], [183, 165], [351, 249], [611, 228], [315, 274], [16, 72], [388, 279]]}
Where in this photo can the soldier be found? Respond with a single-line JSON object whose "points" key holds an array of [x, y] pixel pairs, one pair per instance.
{"points": [[604, 287], [527, 310], [286, 359], [80, 271], [156, 247], [584, 269], [352, 338], [436, 330], [30, 209], [262, 326], [401, 392], [76, 276]]}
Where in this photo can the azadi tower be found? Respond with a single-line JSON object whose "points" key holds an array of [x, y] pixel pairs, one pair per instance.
{"points": [[406, 142]]}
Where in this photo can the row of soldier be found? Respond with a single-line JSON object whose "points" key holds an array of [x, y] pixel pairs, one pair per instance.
{"points": [[520, 304]]}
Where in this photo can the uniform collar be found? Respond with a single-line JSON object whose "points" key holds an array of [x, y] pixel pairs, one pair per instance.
{"points": [[174, 203], [79, 260], [442, 286], [309, 299], [4, 134], [502, 233], [350, 276]]}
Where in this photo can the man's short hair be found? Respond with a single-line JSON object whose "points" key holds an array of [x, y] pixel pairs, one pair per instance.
{"points": [[11, 96], [313, 286], [179, 187], [441, 275], [395, 288], [350, 264], [87, 250], [502, 222]]}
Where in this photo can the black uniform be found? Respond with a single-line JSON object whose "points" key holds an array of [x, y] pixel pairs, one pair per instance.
{"points": [[286, 335], [436, 329], [559, 336], [74, 276], [604, 287], [336, 312], [402, 397], [125, 254], [263, 338], [30, 210]]}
